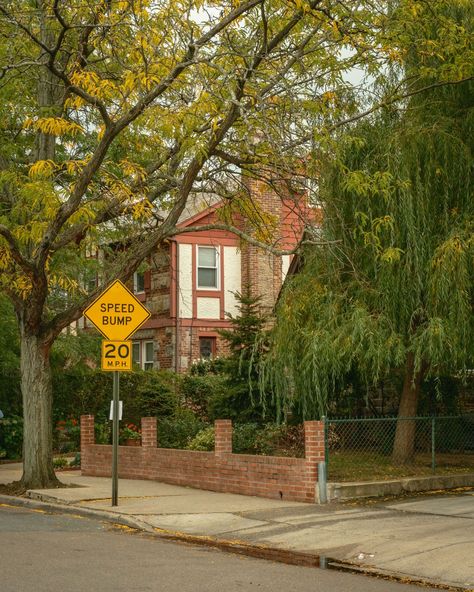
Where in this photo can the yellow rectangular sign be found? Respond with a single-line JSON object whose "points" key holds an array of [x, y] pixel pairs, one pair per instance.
{"points": [[116, 356]]}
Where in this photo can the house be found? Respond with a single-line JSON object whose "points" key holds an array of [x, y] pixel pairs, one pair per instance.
{"points": [[190, 282]]}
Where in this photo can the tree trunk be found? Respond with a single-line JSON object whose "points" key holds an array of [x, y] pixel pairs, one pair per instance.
{"points": [[36, 388], [404, 444]]}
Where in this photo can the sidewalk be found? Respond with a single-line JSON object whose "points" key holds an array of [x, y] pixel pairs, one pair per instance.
{"points": [[429, 538]]}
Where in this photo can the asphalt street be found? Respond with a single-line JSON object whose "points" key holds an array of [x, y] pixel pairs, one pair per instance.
{"points": [[57, 553]]}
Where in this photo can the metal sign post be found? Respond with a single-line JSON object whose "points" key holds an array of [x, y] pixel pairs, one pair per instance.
{"points": [[115, 437], [117, 314]]}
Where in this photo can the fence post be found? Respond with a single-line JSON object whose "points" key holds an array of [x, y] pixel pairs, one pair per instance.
{"points": [[149, 437], [314, 449], [324, 419], [223, 437], [87, 432], [433, 444]]}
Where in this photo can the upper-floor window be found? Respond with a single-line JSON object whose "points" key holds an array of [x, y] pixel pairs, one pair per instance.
{"points": [[207, 271], [138, 282]]}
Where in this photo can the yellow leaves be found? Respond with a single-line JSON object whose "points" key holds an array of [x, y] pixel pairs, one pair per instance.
{"points": [[21, 285], [64, 282], [31, 232], [134, 81], [75, 166], [92, 84], [84, 214], [141, 210], [6, 260], [391, 255], [133, 170], [449, 252], [42, 169], [54, 126]]}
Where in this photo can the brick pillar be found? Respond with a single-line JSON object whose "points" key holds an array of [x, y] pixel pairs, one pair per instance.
{"points": [[87, 432], [223, 437], [149, 432], [314, 448]]}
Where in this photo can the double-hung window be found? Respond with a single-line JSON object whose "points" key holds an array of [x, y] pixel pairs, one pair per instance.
{"points": [[208, 268], [142, 354], [138, 282]]}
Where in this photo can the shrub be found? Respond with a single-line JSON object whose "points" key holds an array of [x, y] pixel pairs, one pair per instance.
{"points": [[203, 440], [60, 462], [11, 436], [178, 431], [144, 393], [103, 432], [198, 390], [68, 435], [271, 439]]}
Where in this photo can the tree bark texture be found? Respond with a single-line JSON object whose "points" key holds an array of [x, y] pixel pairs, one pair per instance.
{"points": [[37, 396], [404, 444]]}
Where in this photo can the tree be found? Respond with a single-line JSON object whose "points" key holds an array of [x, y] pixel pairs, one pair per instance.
{"points": [[247, 344], [396, 289], [115, 112]]}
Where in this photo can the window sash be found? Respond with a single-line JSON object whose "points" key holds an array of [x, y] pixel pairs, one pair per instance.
{"points": [[207, 269], [138, 282]]}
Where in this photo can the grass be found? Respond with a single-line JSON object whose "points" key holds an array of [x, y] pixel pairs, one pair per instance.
{"points": [[354, 465]]}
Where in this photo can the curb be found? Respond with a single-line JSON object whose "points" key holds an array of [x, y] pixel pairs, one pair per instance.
{"points": [[112, 517], [256, 551]]}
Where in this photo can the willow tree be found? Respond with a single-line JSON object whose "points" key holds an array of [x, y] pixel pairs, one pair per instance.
{"points": [[395, 289]]}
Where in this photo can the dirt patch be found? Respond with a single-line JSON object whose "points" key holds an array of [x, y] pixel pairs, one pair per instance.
{"points": [[16, 489]]}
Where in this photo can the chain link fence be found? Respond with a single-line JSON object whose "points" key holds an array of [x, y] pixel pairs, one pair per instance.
{"points": [[389, 447]]}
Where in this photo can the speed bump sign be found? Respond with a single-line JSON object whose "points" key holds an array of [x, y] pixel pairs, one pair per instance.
{"points": [[116, 313], [116, 356]]}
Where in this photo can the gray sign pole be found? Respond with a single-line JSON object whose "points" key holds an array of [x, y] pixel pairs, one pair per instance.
{"points": [[115, 438]]}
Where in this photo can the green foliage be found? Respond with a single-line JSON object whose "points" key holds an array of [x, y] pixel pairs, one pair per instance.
{"points": [[253, 438], [76, 461], [11, 436], [178, 431], [398, 279], [200, 389], [270, 439], [240, 400], [103, 431], [68, 435], [204, 440], [60, 462], [145, 393], [129, 432], [10, 394]]}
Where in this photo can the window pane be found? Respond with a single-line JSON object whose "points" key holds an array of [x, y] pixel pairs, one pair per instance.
{"points": [[139, 281], [149, 351], [207, 257], [148, 366], [136, 353], [207, 278], [206, 346]]}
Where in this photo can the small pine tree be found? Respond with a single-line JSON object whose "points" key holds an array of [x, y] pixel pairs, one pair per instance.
{"points": [[248, 343]]}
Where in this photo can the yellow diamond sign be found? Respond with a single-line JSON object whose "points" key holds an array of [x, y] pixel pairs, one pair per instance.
{"points": [[117, 313]]}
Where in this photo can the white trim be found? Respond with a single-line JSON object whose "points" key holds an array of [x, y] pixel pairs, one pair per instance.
{"points": [[217, 267]]}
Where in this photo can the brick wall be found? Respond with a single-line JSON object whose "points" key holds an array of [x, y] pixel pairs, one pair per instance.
{"points": [[292, 479]]}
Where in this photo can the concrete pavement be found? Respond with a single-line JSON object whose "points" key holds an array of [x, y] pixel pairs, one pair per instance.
{"points": [[429, 538]]}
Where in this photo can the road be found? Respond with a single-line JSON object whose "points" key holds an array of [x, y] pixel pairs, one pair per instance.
{"points": [[44, 552]]}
